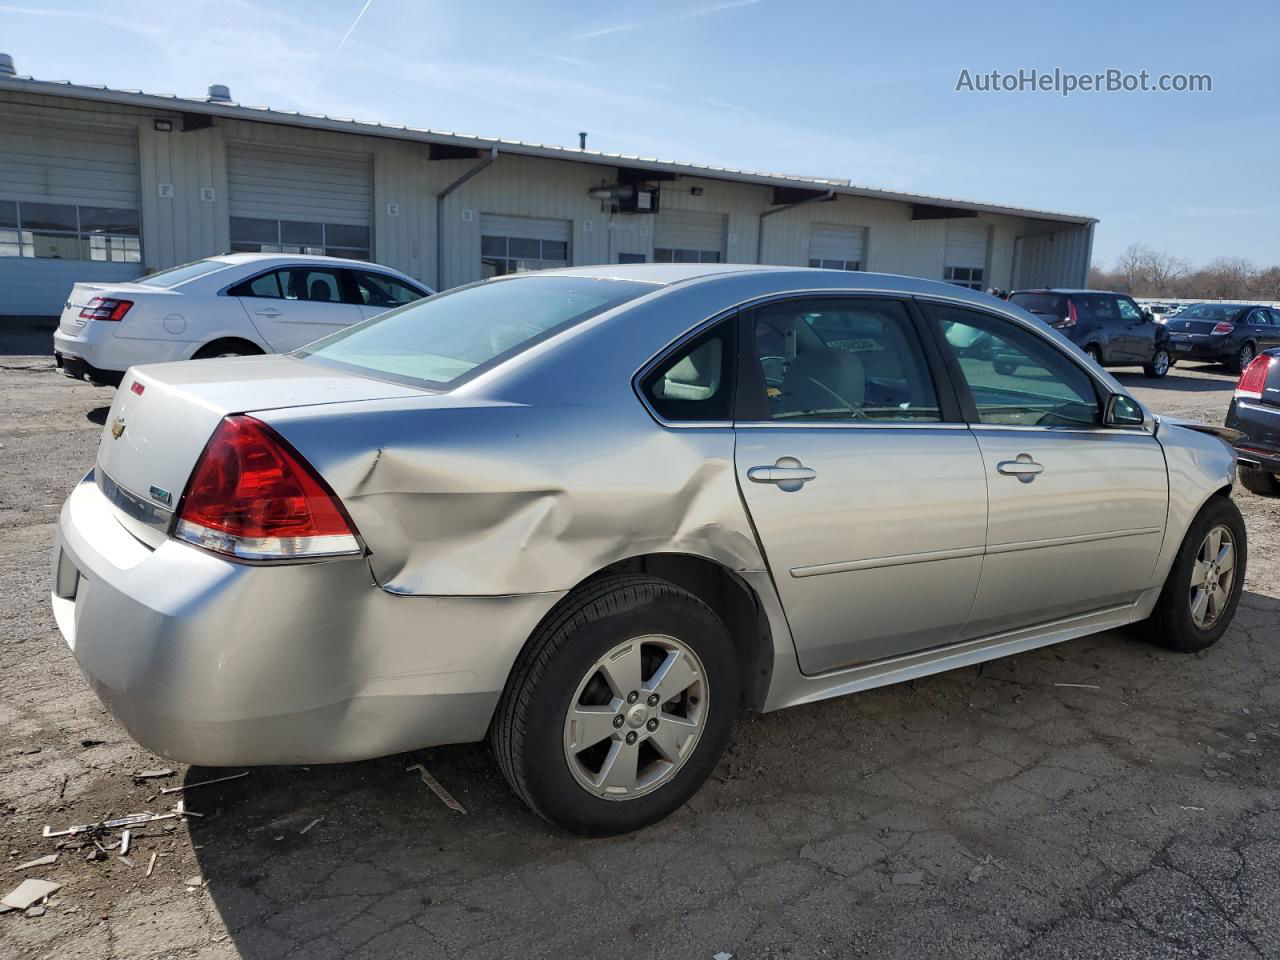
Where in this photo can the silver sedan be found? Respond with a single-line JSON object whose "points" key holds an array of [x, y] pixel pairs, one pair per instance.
{"points": [[591, 514]]}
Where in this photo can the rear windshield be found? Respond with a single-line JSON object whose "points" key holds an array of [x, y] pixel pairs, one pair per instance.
{"points": [[1209, 311], [1053, 304], [446, 339], [176, 275]]}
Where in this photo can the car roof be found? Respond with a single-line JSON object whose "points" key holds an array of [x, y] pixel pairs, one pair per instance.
{"points": [[263, 258], [1068, 291]]}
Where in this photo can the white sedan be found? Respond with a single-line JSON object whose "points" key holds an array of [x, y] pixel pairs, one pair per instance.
{"points": [[232, 305]]}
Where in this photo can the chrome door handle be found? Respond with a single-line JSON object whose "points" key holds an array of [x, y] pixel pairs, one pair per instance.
{"points": [[787, 472], [272, 312], [1023, 467]]}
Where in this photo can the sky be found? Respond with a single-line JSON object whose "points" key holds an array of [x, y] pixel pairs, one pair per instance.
{"points": [[863, 91]]}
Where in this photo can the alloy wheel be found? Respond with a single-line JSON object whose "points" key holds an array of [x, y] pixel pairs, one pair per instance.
{"points": [[1246, 356], [636, 717], [1212, 575], [1161, 363]]}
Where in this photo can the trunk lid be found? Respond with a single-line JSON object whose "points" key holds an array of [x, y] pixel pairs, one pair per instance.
{"points": [[163, 415], [70, 320], [1192, 328]]}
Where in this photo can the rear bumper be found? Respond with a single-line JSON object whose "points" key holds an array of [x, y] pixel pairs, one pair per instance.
{"points": [[218, 663], [1260, 423], [1199, 350], [94, 352]]}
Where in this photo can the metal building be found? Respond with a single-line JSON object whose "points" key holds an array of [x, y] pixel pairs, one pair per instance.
{"points": [[101, 184]]}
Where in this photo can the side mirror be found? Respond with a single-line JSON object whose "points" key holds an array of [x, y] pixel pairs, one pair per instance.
{"points": [[1123, 411]]}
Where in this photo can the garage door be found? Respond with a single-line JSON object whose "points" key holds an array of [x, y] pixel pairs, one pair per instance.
{"points": [[966, 256], [68, 212], [836, 246], [300, 201], [519, 244], [688, 236]]}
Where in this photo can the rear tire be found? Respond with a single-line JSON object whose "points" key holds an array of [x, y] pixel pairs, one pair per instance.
{"points": [[1242, 359], [1159, 365], [1203, 588], [227, 348], [588, 693], [1262, 482]]}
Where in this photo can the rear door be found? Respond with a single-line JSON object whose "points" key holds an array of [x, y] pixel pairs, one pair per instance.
{"points": [[1105, 328], [865, 490], [1265, 328], [1076, 511], [292, 306]]}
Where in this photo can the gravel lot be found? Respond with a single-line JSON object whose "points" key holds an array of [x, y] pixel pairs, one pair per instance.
{"points": [[980, 813]]}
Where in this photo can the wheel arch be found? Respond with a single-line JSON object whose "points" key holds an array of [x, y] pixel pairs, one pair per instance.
{"points": [[735, 601]]}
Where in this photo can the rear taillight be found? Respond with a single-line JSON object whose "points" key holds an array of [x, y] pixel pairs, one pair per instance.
{"points": [[1070, 319], [253, 497], [1254, 378], [1222, 328], [105, 308]]}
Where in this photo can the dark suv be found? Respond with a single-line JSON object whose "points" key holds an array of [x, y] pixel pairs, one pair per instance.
{"points": [[1110, 327]]}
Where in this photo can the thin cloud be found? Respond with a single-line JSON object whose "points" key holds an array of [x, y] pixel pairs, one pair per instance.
{"points": [[693, 14], [343, 42], [572, 61]]}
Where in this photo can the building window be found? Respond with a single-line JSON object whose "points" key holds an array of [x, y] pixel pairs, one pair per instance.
{"points": [[970, 277], [836, 264], [502, 255], [251, 235], [668, 255], [68, 231]]}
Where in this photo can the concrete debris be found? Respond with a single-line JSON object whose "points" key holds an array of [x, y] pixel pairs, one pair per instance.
{"points": [[975, 874], [1211, 773], [723, 956], [203, 783], [310, 825], [126, 861], [143, 775], [29, 892], [908, 879], [34, 912], [194, 883], [37, 862], [126, 839], [1079, 686], [1251, 737], [151, 864], [445, 796]]}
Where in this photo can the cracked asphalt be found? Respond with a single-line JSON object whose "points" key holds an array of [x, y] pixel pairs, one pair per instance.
{"points": [[1100, 799]]}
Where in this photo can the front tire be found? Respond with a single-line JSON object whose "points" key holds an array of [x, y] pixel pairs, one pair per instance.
{"points": [[1262, 482], [1203, 588], [619, 707], [1159, 365]]}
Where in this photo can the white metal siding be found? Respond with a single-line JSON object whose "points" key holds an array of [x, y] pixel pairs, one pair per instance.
{"points": [[689, 230], [830, 241], [527, 228], [275, 184], [966, 245], [52, 163]]}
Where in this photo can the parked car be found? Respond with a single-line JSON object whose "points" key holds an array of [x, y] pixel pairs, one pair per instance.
{"points": [[1255, 412], [234, 305], [1228, 333], [1159, 311], [1110, 327], [589, 513]]}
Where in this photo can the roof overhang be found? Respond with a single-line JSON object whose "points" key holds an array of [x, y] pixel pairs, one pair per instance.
{"points": [[448, 145]]}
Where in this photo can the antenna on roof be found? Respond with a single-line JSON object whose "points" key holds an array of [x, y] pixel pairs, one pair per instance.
{"points": [[7, 70], [582, 140], [219, 93]]}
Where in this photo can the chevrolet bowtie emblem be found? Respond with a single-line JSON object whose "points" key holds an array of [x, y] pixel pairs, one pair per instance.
{"points": [[117, 428]]}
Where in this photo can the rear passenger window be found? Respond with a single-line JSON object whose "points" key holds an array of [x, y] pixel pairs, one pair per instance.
{"points": [[1015, 377], [267, 285], [831, 359], [379, 290], [1100, 308], [696, 382], [318, 286]]}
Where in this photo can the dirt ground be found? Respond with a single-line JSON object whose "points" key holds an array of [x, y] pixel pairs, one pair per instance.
{"points": [[983, 813]]}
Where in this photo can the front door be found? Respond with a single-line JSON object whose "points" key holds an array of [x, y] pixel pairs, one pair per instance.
{"points": [[870, 507], [1077, 511], [295, 305], [1139, 333]]}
